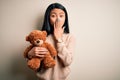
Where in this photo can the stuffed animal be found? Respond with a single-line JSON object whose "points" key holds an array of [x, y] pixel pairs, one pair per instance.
{"points": [[37, 38]]}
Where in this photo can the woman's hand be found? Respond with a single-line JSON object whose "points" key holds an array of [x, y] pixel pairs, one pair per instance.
{"points": [[37, 52], [58, 29]]}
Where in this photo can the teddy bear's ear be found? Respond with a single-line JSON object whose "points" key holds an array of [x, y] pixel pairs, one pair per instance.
{"points": [[27, 38], [45, 33]]}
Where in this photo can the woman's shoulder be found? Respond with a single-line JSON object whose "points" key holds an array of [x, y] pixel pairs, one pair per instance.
{"points": [[68, 35], [50, 36], [65, 36]]}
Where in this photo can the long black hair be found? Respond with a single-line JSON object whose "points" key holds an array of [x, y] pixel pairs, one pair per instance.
{"points": [[46, 24]]}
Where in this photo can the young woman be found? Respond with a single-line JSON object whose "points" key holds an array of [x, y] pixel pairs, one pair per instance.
{"points": [[56, 25]]}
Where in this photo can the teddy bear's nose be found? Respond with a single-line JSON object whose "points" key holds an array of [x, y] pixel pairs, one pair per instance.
{"points": [[38, 41]]}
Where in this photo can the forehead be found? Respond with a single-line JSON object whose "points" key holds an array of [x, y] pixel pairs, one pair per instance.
{"points": [[57, 11]]}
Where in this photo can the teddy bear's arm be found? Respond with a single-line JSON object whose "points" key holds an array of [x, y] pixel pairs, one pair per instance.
{"points": [[26, 51], [51, 49]]}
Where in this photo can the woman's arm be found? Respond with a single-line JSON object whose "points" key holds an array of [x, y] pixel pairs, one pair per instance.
{"points": [[65, 51]]}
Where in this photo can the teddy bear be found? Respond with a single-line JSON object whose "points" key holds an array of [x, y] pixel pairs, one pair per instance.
{"points": [[37, 38]]}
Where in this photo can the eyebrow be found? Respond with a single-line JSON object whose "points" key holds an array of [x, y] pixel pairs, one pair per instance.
{"points": [[59, 13], [62, 13]]}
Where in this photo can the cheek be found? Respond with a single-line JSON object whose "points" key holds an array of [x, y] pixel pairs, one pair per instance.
{"points": [[52, 21], [62, 21]]}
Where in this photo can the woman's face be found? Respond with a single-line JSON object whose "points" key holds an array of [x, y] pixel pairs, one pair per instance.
{"points": [[59, 15]]}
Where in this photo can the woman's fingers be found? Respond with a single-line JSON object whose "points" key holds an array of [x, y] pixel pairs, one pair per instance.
{"points": [[58, 29], [63, 28], [57, 24], [40, 51], [40, 54], [37, 55]]}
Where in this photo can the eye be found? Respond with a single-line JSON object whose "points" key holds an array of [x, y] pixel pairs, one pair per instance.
{"points": [[52, 15], [61, 15]]}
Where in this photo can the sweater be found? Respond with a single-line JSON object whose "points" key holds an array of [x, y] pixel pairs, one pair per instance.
{"points": [[63, 59]]}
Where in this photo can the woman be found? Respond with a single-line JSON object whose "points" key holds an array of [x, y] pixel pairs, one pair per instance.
{"points": [[56, 25]]}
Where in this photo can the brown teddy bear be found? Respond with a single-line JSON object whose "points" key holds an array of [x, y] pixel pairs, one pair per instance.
{"points": [[37, 38]]}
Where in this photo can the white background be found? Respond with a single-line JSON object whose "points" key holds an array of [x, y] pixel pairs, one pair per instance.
{"points": [[94, 23]]}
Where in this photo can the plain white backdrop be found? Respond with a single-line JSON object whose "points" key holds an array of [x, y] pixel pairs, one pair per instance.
{"points": [[94, 23]]}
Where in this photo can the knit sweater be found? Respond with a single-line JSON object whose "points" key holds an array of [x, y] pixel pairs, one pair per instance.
{"points": [[63, 59]]}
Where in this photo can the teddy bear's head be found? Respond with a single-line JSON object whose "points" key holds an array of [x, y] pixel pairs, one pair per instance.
{"points": [[36, 37]]}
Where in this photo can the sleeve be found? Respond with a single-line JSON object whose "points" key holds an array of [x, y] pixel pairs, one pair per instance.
{"points": [[65, 51]]}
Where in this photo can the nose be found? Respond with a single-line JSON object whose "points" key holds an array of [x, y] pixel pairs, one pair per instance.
{"points": [[38, 41], [58, 19]]}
